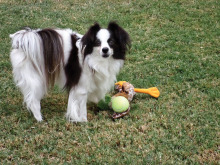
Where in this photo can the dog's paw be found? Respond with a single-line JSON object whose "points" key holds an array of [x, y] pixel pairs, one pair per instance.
{"points": [[76, 119]]}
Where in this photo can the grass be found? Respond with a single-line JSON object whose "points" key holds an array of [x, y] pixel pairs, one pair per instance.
{"points": [[175, 46]]}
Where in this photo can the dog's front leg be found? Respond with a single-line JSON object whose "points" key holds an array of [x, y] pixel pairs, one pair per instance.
{"points": [[76, 109]]}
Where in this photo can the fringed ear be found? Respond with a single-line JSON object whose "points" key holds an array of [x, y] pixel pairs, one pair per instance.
{"points": [[121, 38], [89, 38]]}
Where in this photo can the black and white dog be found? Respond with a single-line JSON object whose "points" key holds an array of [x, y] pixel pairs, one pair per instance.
{"points": [[84, 65]]}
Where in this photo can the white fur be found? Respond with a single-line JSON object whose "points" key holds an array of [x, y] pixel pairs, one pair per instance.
{"points": [[104, 35], [97, 78]]}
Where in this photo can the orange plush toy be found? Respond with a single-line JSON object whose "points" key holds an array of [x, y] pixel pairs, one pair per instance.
{"points": [[128, 91]]}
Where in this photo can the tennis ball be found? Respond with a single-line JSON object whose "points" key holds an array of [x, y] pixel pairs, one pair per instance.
{"points": [[120, 104]]}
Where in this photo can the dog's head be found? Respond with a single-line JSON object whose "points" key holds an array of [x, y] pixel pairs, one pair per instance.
{"points": [[113, 41]]}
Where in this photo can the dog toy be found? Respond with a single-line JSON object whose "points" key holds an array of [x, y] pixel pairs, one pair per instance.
{"points": [[154, 92], [127, 90], [120, 104]]}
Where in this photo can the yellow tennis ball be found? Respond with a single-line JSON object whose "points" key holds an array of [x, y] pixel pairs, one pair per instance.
{"points": [[120, 104]]}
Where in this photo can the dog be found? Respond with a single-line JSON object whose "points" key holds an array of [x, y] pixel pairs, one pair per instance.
{"points": [[85, 65]]}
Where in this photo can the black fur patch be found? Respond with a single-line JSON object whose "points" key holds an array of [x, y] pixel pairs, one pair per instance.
{"points": [[89, 39], [53, 54], [121, 40], [73, 69]]}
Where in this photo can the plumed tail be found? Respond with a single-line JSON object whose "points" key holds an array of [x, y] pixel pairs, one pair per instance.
{"points": [[30, 43], [44, 48]]}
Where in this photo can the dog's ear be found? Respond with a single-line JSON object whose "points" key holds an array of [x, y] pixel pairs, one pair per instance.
{"points": [[121, 38], [89, 38]]}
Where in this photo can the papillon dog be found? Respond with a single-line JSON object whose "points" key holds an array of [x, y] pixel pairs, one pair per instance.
{"points": [[85, 65]]}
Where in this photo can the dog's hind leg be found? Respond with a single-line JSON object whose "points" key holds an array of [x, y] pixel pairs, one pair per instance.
{"points": [[29, 81], [33, 91], [35, 108]]}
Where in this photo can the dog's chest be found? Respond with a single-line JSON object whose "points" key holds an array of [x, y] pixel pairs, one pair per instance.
{"points": [[103, 73]]}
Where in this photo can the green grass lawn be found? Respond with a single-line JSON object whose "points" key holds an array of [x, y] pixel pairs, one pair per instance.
{"points": [[175, 46]]}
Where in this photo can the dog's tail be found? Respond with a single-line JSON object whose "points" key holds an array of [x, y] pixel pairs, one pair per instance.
{"points": [[30, 43], [44, 48]]}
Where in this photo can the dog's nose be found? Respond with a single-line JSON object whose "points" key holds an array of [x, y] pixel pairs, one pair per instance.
{"points": [[105, 50]]}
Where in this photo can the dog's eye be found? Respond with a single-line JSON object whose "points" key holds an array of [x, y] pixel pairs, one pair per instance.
{"points": [[97, 42], [110, 42]]}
